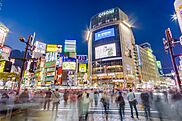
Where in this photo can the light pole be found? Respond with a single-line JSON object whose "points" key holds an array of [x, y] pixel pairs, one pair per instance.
{"points": [[29, 46], [168, 45]]}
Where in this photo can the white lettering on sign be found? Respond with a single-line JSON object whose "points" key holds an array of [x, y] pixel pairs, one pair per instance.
{"points": [[106, 13]]}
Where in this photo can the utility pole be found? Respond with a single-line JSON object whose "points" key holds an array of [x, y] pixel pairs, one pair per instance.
{"points": [[28, 44], [169, 44]]}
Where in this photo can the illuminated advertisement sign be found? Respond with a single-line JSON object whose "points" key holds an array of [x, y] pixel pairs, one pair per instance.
{"points": [[2, 64], [54, 48], [82, 58], [70, 46], [40, 47], [69, 66], [104, 51], [52, 56], [3, 33], [111, 11], [104, 34], [82, 67], [159, 65]]}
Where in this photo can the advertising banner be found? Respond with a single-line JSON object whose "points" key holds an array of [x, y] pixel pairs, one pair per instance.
{"points": [[82, 67], [54, 48], [82, 58], [104, 34], [40, 47], [2, 65], [70, 46], [51, 56], [3, 32], [104, 51], [69, 65]]}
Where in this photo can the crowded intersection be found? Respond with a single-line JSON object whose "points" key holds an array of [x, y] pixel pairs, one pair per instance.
{"points": [[90, 105], [90, 60]]}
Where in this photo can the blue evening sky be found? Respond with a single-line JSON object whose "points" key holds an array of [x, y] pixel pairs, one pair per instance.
{"points": [[57, 20]]}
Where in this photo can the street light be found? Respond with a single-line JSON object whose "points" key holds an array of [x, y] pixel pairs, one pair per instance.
{"points": [[28, 47]]}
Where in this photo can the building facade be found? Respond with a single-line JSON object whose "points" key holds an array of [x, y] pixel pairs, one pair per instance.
{"points": [[147, 72], [110, 49]]}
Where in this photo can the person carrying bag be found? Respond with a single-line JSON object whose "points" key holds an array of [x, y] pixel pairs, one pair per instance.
{"points": [[132, 102]]}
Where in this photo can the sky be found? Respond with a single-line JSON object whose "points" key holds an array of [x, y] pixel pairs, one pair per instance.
{"points": [[57, 20]]}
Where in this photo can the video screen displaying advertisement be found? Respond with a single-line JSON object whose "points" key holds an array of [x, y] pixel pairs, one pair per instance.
{"points": [[69, 65], [104, 51], [108, 45], [104, 34]]}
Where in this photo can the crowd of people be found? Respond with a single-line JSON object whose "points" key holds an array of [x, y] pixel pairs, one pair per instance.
{"points": [[168, 104]]}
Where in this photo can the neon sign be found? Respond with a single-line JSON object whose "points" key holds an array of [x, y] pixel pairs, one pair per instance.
{"points": [[107, 12]]}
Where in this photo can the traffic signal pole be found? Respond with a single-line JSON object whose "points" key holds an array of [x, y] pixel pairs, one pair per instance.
{"points": [[169, 42]]}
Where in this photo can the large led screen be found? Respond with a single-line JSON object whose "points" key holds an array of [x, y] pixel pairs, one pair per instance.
{"points": [[69, 65], [104, 51], [104, 34]]}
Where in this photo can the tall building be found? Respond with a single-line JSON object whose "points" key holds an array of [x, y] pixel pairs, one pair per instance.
{"points": [[110, 49], [147, 72]]}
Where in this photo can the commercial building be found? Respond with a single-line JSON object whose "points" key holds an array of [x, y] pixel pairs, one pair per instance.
{"points": [[147, 72], [178, 9], [110, 49]]}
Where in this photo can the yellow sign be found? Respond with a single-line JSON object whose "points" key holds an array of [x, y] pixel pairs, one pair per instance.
{"points": [[82, 68], [51, 48], [2, 64]]}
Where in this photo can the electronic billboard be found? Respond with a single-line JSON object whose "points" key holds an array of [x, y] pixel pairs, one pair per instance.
{"points": [[103, 51], [104, 34]]}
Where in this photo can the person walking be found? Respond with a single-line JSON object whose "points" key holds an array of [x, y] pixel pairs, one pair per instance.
{"points": [[66, 96], [24, 96], [121, 102], [55, 100], [86, 102], [96, 96], [105, 102], [80, 106], [146, 103], [132, 102], [47, 99]]}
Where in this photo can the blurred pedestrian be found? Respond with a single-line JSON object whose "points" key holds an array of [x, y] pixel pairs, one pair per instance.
{"points": [[120, 100], [24, 96], [96, 97], [159, 107], [80, 106], [66, 96], [47, 99], [105, 102], [86, 102], [132, 102], [146, 103], [55, 100]]}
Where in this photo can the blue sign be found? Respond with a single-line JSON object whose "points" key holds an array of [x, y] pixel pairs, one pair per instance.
{"points": [[104, 34]]}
